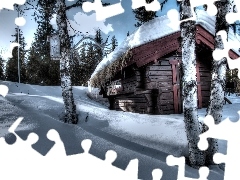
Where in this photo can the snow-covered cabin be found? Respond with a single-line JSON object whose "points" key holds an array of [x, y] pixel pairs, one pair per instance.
{"points": [[143, 74]]}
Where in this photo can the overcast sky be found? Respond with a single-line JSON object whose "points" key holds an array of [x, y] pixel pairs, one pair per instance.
{"points": [[118, 25]]}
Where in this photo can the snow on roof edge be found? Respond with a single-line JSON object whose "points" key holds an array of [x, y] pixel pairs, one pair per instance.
{"points": [[139, 37]]}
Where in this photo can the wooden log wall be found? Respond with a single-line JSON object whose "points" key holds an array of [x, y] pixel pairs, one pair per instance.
{"points": [[205, 82], [136, 93], [125, 99], [131, 103], [159, 76]]}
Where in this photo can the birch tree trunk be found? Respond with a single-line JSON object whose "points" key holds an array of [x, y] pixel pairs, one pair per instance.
{"points": [[218, 77], [192, 127], [66, 84]]}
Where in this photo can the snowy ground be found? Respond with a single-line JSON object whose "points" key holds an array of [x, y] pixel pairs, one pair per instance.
{"points": [[164, 133]]}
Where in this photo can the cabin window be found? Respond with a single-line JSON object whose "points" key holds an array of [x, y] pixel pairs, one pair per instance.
{"points": [[114, 87], [118, 84]]}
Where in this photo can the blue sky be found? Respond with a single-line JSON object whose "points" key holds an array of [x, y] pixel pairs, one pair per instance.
{"points": [[120, 24]]}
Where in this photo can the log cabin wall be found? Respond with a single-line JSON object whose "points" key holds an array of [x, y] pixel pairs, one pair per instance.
{"points": [[156, 87], [204, 77], [126, 98], [159, 76]]}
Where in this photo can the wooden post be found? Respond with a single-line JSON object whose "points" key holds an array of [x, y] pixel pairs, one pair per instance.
{"points": [[175, 86], [199, 89]]}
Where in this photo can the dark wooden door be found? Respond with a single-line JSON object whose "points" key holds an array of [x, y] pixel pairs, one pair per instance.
{"points": [[177, 91]]}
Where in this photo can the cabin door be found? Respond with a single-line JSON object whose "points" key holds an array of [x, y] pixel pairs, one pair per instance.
{"points": [[177, 91]]}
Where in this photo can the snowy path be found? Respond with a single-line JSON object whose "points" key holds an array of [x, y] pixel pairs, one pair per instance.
{"points": [[148, 138]]}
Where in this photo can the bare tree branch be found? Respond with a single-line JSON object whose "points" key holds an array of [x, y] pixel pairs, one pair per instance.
{"points": [[79, 3]]}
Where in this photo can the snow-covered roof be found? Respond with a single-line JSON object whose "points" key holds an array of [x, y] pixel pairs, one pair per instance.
{"points": [[155, 29], [148, 32]]}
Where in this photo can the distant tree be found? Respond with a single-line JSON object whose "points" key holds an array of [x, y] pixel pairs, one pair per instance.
{"points": [[114, 43], [128, 33], [142, 16], [92, 60], [98, 51], [2, 77], [86, 59], [83, 63], [48, 73], [33, 67], [78, 70], [12, 63]]}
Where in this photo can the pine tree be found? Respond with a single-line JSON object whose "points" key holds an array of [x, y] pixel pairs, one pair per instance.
{"points": [[48, 73], [84, 65], [12, 63], [78, 68], [142, 16], [114, 43], [33, 67], [98, 51], [2, 77], [92, 58]]}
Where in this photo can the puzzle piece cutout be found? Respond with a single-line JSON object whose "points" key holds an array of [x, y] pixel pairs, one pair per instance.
{"points": [[180, 162], [102, 12], [226, 130], [8, 4], [56, 164], [20, 21], [157, 174], [153, 6], [3, 90], [174, 15]]}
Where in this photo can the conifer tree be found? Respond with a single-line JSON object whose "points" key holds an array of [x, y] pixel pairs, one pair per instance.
{"points": [[83, 63], [78, 68], [1, 69], [48, 73], [12, 63], [91, 60], [33, 67], [142, 15], [114, 43], [98, 51]]}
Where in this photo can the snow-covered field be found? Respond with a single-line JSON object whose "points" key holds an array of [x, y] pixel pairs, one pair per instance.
{"points": [[161, 132]]}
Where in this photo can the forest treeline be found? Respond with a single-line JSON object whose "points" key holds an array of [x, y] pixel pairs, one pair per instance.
{"points": [[36, 65]]}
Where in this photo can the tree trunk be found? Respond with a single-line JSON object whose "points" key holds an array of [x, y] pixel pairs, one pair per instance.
{"points": [[218, 78], [192, 127], [66, 84]]}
